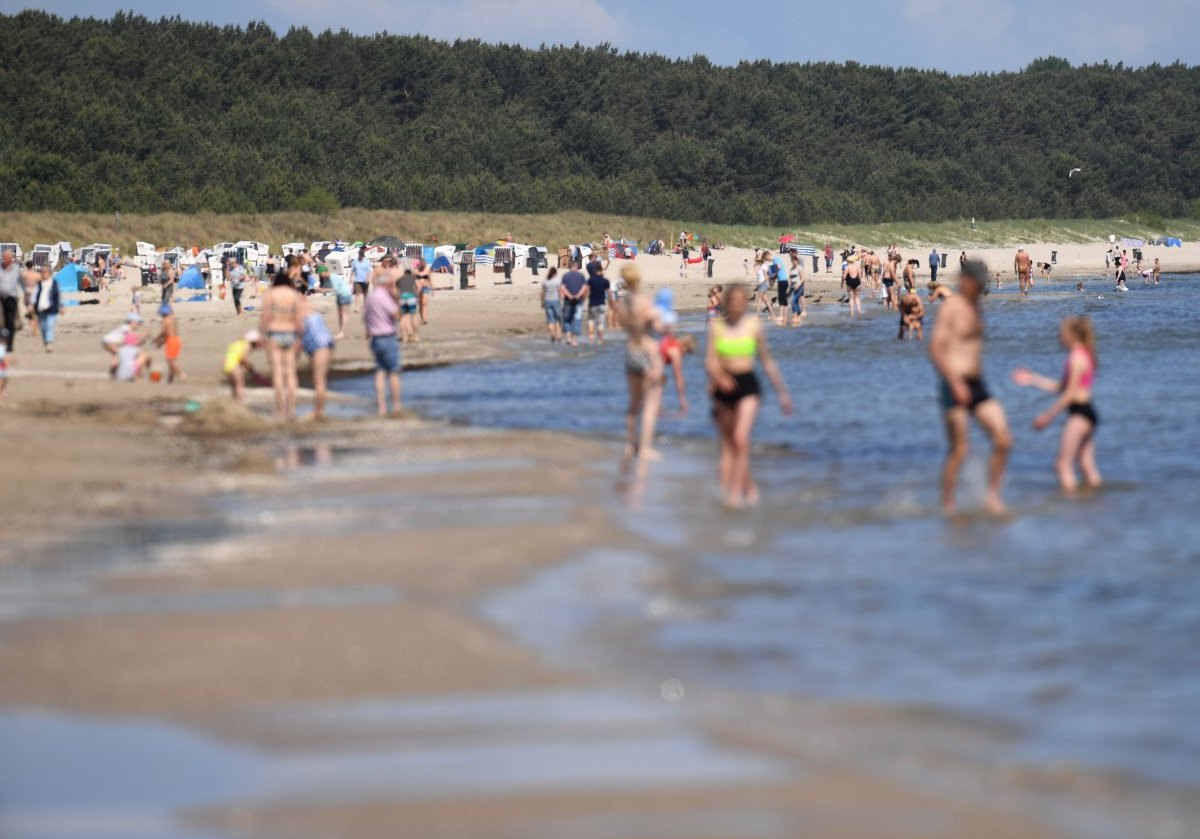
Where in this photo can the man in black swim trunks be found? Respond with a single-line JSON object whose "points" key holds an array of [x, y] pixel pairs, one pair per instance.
{"points": [[956, 348]]}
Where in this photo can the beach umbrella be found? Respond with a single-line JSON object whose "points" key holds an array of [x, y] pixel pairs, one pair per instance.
{"points": [[386, 242]]}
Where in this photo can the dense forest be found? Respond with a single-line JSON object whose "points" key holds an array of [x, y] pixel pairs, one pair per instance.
{"points": [[139, 115]]}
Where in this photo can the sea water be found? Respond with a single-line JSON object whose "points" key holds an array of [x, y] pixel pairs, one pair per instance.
{"points": [[1076, 621]]}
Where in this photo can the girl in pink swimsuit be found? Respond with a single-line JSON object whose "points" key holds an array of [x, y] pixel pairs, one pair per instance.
{"points": [[1074, 389]]}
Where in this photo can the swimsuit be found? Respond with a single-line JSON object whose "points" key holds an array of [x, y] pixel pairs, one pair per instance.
{"points": [[173, 345], [745, 385], [284, 339], [638, 362], [853, 283], [1083, 409], [979, 394], [668, 343]]}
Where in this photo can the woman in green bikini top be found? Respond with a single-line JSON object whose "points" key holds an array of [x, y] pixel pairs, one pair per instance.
{"points": [[736, 343]]}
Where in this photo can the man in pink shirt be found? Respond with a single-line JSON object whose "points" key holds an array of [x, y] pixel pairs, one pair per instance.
{"points": [[381, 313]]}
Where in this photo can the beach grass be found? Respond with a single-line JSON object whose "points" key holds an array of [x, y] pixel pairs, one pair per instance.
{"points": [[553, 230]]}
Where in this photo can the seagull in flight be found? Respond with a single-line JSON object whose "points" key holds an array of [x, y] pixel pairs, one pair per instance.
{"points": [[1071, 174]]}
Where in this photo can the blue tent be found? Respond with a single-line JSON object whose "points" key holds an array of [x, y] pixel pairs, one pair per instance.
{"points": [[68, 277], [192, 278]]}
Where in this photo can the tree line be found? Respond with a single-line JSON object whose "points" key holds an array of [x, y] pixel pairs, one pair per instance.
{"points": [[141, 115]]}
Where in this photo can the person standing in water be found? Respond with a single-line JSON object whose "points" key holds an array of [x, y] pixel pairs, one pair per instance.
{"points": [[318, 343], [381, 314], [1023, 267], [551, 294], [281, 323], [852, 281], [956, 349], [643, 368], [1074, 390], [736, 342]]}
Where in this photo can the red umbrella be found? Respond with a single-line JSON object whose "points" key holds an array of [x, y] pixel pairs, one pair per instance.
{"points": [[785, 238]]}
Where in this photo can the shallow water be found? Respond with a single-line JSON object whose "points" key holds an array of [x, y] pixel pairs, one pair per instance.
{"points": [[1076, 621]]}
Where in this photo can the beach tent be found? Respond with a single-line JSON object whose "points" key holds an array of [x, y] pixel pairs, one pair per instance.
{"points": [[441, 264], [68, 277], [192, 278], [387, 242]]}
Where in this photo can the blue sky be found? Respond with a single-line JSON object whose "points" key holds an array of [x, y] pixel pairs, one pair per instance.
{"points": [[960, 36]]}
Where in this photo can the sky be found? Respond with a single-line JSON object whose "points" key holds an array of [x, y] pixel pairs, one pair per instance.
{"points": [[959, 36]]}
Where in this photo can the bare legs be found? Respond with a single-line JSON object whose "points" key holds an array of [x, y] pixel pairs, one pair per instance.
{"points": [[343, 316], [320, 375], [1078, 445], [735, 424], [990, 416], [641, 417], [382, 382], [284, 379], [855, 303]]}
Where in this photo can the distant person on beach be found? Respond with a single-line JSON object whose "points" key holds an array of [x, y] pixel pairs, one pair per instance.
{"points": [[47, 305], [168, 338], [424, 290], [318, 344], [956, 349], [551, 297], [1023, 268], [935, 262], [237, 368], [131, 361], [912, 316], [779, 272], [30, 277], [170, 279], [796, 280], [362, 269], [762, 289], [828, 258], [409, 331], [1156, 273], [851, 282], [281, 323], [643, 369], [381, 317], [889, 280], [237, 284], [12, 291], [1074, 391], [599, 298], [910, 274], [736, 342], [343, 296], [574, 295]]}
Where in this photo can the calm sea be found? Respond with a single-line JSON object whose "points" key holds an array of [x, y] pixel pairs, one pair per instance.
{"points": [[1077, 622]]}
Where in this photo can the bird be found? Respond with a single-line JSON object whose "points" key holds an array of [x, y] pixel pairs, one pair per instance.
{"points": [[1071, 174]]}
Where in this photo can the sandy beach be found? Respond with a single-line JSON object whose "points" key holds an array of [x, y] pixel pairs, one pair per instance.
{"points": [[186, 571]]}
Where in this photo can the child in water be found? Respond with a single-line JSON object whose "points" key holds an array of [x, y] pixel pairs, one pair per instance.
{"points": [[1078, 337]]}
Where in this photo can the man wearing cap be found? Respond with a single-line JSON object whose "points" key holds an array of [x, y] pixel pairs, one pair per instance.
{"points": [[956, 349]]}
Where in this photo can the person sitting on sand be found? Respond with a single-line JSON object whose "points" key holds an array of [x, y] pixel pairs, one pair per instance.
{"points": [[237, 367], [912, 317], [735, 343], [1074, 390], [168, 338], [132, 362]]}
